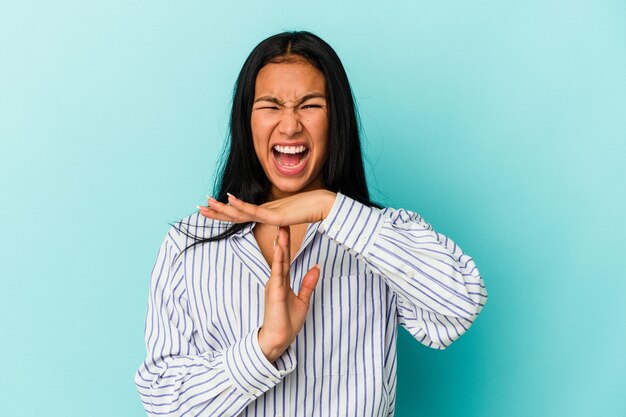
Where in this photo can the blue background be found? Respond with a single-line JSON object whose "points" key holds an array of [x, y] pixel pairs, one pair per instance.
{"points": [[503, 123]]}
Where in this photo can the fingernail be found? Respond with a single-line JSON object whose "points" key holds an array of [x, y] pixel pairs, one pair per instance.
{"points": [[274, 243], [200, 207], [230, 195]]}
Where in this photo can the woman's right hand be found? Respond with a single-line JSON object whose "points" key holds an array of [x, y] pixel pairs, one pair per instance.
{"points": [[285, 311]]}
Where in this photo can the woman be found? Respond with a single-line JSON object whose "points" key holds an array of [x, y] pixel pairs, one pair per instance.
{"points": [[282, 296]]}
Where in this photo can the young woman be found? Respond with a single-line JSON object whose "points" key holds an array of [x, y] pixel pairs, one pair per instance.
{"points": [[282, 296]]}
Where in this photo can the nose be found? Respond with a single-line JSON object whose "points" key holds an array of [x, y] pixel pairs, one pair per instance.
{"points": [[289, 124]]}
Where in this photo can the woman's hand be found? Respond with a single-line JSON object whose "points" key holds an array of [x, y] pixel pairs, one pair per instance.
{"points": [[284, 311], [306, 207]]}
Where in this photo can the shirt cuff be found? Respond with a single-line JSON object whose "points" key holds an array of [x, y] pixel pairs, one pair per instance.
{"points": [[251, 372], [353, 224]]}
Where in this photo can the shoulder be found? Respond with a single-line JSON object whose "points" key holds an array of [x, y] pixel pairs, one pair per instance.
{"points": [[353, 213], [400, 216], [346, 207]]}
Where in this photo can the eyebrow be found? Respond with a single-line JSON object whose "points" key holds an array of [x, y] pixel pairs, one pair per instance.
{"points": [[282, 103]]}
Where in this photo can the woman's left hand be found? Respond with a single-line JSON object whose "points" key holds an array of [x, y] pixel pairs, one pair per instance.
{"points": [[306, 207]]}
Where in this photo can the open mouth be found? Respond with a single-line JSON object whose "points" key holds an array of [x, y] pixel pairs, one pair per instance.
{"points": [[290, 160]]}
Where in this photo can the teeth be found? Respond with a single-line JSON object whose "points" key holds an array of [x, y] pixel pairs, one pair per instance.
{"points": [[290, 149]]}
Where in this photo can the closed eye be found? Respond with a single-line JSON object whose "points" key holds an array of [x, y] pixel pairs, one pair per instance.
{"points": [[311, 106]]}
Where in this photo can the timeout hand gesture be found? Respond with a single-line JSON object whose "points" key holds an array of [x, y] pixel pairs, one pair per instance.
{"points": [[285, 311]]}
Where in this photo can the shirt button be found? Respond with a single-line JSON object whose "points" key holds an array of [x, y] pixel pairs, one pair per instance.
{"points": [[336, 227]]}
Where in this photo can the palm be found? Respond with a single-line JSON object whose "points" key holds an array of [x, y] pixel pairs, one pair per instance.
{"points": [[285, 311]]}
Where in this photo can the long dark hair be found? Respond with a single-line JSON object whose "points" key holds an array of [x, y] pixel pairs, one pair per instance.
{"points": [[240, 172]]}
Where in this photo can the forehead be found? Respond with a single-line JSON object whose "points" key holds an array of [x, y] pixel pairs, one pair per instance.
{"points": [[289, 81]]}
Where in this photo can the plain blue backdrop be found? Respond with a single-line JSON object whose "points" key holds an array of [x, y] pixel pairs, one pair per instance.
{"points": [[502, 123]]}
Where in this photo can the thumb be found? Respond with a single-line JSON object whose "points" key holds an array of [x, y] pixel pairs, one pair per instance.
{"points": [[308, 284]]}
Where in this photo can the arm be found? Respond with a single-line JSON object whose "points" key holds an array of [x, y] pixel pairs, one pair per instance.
{"points": [[439, 289], [178, 378]]}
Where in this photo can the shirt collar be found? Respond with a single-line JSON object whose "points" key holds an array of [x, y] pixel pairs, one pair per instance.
{"points": [[246, 229], [311, 229]]}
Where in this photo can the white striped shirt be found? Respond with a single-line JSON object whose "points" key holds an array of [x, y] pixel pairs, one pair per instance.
{"points": [[379, 268]]}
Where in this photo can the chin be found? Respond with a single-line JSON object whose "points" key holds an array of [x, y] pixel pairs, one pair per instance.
{"points": [[290, 186]]}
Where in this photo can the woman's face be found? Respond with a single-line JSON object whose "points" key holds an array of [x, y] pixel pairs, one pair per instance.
{"points": [[290, 126]]}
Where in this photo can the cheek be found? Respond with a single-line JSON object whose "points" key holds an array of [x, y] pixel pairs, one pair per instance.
{"points": [[263, 121], [260, 135], [322, 137], [259, 145], [318, 128], [262, 155]]}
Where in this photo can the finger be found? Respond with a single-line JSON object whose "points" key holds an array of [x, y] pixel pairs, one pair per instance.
{"points": [[235, 214], [288, 243], [248, 208], [283, 241], [309, 282], [260, 213], [212, 214], [276, 275]]}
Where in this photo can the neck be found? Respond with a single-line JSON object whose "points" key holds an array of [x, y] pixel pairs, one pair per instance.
{"points": [[277, 193]]}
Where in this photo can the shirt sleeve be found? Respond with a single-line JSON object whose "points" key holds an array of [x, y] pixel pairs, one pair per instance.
{"points": [[177, 378], [439, 289]]}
